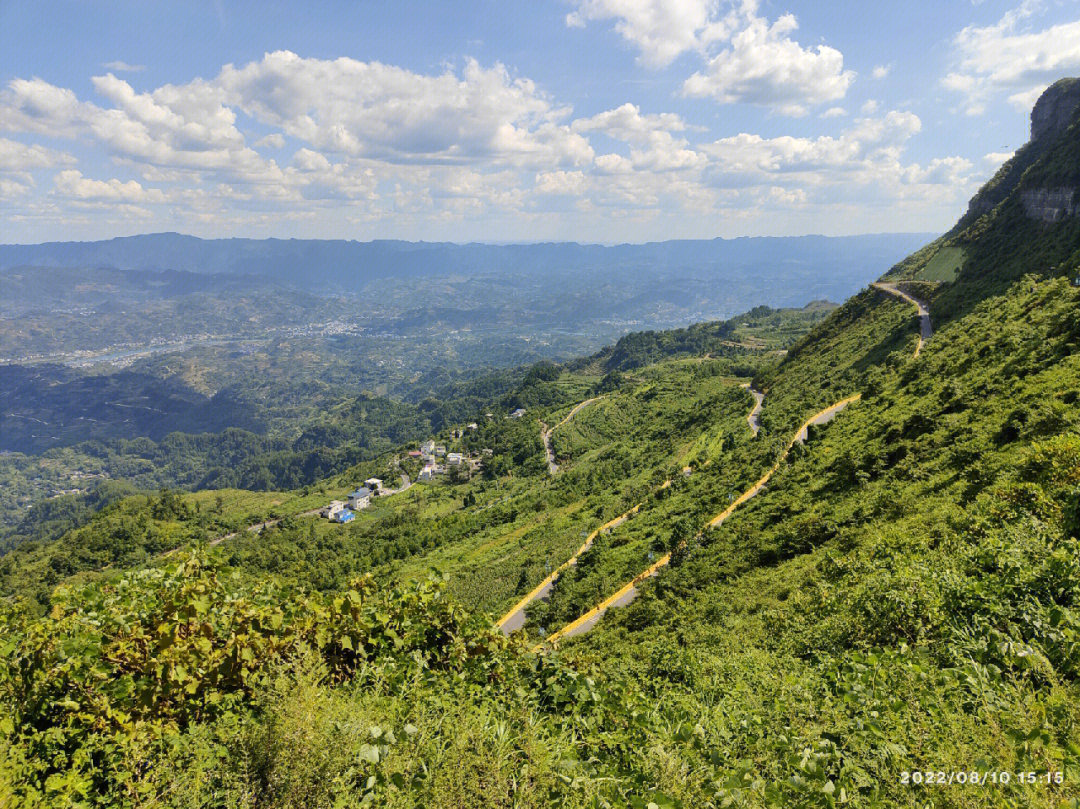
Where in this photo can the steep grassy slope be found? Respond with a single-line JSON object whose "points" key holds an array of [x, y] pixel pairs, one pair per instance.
{"points": [[902, 597]]}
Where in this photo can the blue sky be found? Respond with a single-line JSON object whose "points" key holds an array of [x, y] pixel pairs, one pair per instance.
{"points": [[590, 120]]}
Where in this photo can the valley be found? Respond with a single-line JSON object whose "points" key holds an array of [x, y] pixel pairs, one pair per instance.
{"points": [[780, 559]]}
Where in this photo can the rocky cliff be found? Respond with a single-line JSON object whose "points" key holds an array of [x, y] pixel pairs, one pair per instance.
{"points": [[1049, 204], [1045, 198], [1055, 109]]}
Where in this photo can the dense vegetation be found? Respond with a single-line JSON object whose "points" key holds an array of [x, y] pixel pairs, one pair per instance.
{"points": [[903, 596]]}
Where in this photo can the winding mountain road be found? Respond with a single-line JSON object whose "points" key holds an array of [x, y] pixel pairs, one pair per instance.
{"points": [[926, 331], [515, 618], [545, 433], [628, 592], [753, 418]]}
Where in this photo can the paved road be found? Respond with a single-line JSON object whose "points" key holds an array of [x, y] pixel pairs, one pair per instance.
{"points": [[545, 433], [545, 436], [926, 331], [628, 592], [753, 417], [515, 618]]}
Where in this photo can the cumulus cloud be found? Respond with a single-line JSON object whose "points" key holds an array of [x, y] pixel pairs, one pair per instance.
{"points": [[867, 154], [653, 147], [275, 140], [765, 66], [561, 182], [123, 67], [880, 72], [662, 30], [747, 58], [1011, 57], [71, 183], [374, 110], [373, 143], [22, 157]]}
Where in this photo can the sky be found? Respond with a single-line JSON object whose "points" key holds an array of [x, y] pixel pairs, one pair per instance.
{"points": [[513, 120]]}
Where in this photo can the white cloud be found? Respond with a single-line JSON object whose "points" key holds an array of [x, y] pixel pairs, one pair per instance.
{"points": [[123, 67], [380, 111], [274, 140], [662, 30], [11, 188], [994, 160], [880, 72], [653, 147], [869, 107], [834, 112], [765, 66], [869, 152], [561, 182], [21, 157], [747, 58], [1011, 57], [71, 183]]}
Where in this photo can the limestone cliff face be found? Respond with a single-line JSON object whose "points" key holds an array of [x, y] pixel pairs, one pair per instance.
{"points": [[1049, 204], [1055, 109], [1054, 112], [1047, 199]]}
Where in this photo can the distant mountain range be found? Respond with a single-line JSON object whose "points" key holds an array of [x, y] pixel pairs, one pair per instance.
{"points": [[809, 266]]}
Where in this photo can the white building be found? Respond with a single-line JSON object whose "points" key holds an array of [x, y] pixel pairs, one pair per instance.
{"points": [[374, 484], [429, 472], [518, 413], [334, 509], [454, 458], [359, 499], [440, 450], [428, 448]]}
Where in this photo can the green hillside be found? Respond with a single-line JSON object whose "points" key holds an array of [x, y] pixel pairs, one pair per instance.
{"points": [[899, 598]]}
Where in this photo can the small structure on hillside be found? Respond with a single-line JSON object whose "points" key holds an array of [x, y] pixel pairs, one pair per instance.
{"points": [[360, 499], [472, 426], [344, 516], [454, 458], [415, 453], [440, 450], [518, 413], [332, 510], [429, 472], [428, 448], [375, 484]]}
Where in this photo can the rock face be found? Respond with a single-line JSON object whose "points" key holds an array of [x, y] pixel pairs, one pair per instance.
{"points": [[1052, 114], [1049, 204], [1056, 108]]}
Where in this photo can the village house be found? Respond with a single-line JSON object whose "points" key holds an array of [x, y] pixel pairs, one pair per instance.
{"points": [[453, 458], [472, 425], [428, 448], [337, 512], [375, 484], [518, 413], [429, 472], [440, 450], [360, 499]]}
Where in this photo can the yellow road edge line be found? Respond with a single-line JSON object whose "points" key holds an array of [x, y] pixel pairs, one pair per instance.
{"points": [[715, 521]]}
